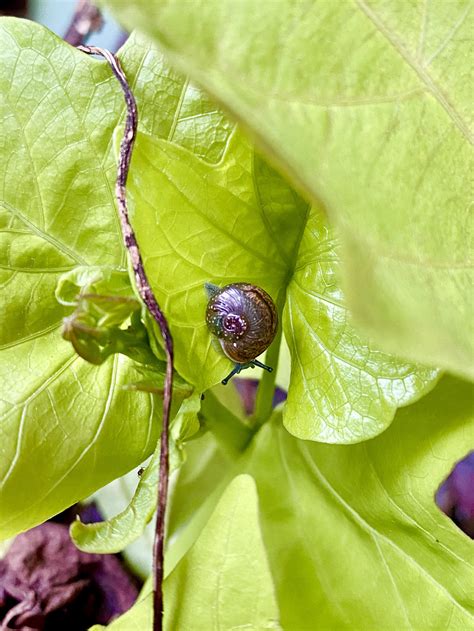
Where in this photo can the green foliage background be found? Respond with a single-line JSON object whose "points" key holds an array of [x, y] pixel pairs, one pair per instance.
{"points": [[366, 105], [357, 105]]}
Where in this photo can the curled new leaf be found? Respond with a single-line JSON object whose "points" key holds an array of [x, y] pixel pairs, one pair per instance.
{"points": [[106, 318]]}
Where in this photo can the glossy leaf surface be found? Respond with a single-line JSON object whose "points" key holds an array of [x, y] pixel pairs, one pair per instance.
{"points": [[119, 531], [342, 388], [68, 428], [354, 537], [367, 106], [202, 599]]}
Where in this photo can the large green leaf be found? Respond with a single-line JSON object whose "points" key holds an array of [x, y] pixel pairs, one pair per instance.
{"points": [[354, 537], [352, 533], [224, 581], [240, 592], [342, 388], [367, 105], [67, 427]]}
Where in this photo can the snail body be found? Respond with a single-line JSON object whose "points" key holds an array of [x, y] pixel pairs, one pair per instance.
{"points": [[244, 320]]}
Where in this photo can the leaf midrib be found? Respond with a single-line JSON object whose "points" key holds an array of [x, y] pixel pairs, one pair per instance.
{"points": [[421, 71], [45, 236]]}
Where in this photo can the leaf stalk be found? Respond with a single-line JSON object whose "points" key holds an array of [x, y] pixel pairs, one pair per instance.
{"points": [[266, 387], [86, 20]]}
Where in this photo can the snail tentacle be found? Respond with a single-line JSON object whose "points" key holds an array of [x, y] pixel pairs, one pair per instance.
{"points": [[211, 289], [264, 366], [235, 371]]}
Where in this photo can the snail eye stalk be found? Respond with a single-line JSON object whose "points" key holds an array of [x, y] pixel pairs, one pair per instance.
{"points": [[239, 367], [260, 365]]}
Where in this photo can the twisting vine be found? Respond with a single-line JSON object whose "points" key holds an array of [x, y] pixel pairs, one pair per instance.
{"points": [[151, 303], [86, 20]]}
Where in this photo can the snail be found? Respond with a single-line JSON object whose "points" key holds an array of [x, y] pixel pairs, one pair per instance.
{"points": [[244, 319]]}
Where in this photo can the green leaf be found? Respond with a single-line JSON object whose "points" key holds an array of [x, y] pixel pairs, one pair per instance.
{"points": [[104, 304], [239, 595], [232, 434], [68, 427], [194, 494], [367, 106], [184, 205], [113, 499], [353, 535], [184, 426], [116, 533], [208, 468], [169, 106], [342, 388], [119, 531]]}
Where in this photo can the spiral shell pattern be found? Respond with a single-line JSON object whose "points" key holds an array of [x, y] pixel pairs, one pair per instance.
{"points": [[244, 319]]}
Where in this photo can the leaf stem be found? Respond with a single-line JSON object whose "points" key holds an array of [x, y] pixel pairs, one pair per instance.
{"points": [[266, 388], [86, 20], [148, 297]]}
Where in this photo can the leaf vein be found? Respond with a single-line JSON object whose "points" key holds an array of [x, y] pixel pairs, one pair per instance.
{"points": [[424, 76]]}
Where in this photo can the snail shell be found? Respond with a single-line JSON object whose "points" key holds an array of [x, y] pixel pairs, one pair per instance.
{"points": [[244, 319]]}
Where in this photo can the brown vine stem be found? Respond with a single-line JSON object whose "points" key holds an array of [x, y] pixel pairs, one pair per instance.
{"points": [[151, 303], [86, 20]]}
